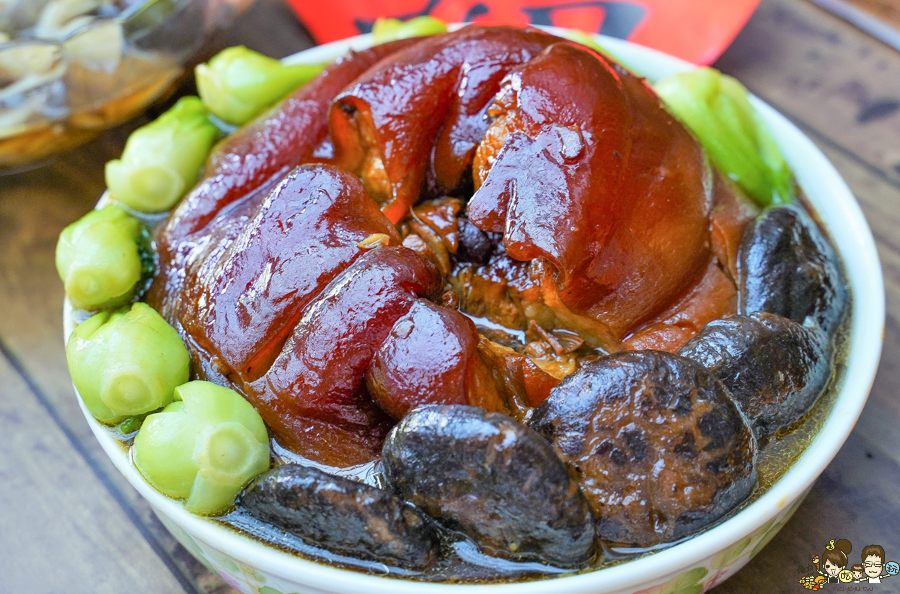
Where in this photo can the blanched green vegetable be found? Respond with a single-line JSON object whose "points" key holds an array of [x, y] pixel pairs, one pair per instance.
{"points": [[204, 447], [584, 39], [385, 30], [131, 424], [716, 108], [161, 160], [126, 362], [238, 84], [98, 258], [588, 40]]}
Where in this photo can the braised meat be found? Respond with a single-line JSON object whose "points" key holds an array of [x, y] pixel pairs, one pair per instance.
{"points": [[468, 260], [428, 100], [431, 357], [244, 304], [319, 374], [268, 147]]}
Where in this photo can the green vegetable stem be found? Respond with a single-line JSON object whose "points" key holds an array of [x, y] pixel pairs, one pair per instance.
{"points": [[385, 30], [162, 160], [98, 258], [717, 109], [590, 41], [238, 84], [126, 362], [204, 447]]}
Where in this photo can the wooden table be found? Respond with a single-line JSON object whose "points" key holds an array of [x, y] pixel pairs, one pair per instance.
{"points": [[70, 522]]}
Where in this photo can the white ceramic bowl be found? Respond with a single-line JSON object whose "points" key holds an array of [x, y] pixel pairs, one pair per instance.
{"points": [[687, 568]]}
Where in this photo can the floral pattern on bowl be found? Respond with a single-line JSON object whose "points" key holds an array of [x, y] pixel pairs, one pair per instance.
{"points": [[697, 580]]}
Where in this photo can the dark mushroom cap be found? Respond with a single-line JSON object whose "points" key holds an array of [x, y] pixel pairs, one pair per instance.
{"points": [[786, 266], [775, 368], [343, 516], [657, 444], [493, 479]]}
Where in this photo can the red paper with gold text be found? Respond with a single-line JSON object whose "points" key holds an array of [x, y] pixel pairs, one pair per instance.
{"points": [[696, 30]]}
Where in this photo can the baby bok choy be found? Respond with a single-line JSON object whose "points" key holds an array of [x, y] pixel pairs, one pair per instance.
{"points": [[127, 362], [717, 109], [101, 258], [238, 84], [385, 30], [203, 448], [161, 160]]}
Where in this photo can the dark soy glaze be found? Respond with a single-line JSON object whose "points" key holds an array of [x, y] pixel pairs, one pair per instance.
{"points": [[384, 127], [787, 267], [775, 368], [493, 479], [270, 146], [298, 240], [657, 444], [430, 357], [343, 516], [582, 167], [313, 396]]}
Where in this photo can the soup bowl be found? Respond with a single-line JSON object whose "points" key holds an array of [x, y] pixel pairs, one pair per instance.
{"points": [[688, 567]]}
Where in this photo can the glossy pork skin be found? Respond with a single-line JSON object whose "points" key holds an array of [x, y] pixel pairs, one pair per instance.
{"points": [[318, 378], [602, 201], [288, 302], [301, 237], [421, 112], [431, 357], [583, 168], [269, 147]]}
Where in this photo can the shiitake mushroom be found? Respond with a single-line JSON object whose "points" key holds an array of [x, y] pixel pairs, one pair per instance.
{"points": [[656, 442], [492, 479], [343, 516], [775, 368], [786, 266]]}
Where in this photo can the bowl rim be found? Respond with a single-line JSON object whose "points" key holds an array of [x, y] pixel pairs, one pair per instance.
{"points": [[841, 215]]}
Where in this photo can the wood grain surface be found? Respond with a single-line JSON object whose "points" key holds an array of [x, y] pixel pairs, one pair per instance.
{"points": [[886, 10], [72, 524]]}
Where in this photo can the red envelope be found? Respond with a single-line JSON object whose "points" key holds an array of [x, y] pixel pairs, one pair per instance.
{"points": [[696, 30]]}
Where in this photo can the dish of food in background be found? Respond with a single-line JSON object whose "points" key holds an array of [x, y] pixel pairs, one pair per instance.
{"points": [[72, 68], [741, 123]]}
